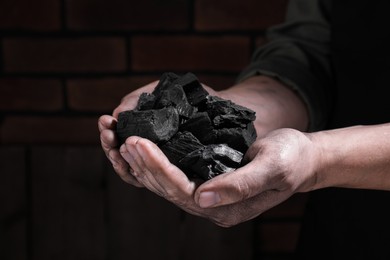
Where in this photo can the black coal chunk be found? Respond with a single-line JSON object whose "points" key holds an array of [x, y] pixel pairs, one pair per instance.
{"points": [[239, 138], [212, 160], [146, 101], [201, 127], [156, 125], [201, 134], [175, 96], [225, 113], [166, 81], [179, 146], [195, 93]]}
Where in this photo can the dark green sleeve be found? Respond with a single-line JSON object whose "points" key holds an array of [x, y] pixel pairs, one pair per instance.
{"points": [[298, 54]]}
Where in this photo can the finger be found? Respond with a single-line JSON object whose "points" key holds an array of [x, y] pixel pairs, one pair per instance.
{"points": [[233, 214], [171, 178], [127, 155], [108, 141], [131, 156], [106, 122], [159, 175], [228, 188], [140, 172], [269, 199], [122, 168]]}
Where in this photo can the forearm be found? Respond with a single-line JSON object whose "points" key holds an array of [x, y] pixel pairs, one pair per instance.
{"points": [[354, 157], [298, 54], [276, 105]]}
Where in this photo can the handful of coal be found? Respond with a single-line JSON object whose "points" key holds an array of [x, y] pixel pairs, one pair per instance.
{"points": [[201, 134]]}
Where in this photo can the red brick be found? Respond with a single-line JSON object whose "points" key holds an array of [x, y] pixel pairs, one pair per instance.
{"points": [[49, 130], [278, 237], [30, 94], [190, 53], [102, 94], [238, 15], [40, 15], [64, 55], [127, 15]]}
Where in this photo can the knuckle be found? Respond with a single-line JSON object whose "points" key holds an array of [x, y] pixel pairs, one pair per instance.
{"points": [[120, 169], [104, 142]]}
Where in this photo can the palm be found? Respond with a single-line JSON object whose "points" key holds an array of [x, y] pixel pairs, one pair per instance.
{"points": [[153, 170]]}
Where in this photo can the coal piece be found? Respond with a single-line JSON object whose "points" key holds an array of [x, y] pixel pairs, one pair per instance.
{"points": [[225, 113], [195, 92], [200, 126], [201, 134], [212, 160], [175, 96], [181, 144], [156, 125], [146, 101], [237, 138], [166, 81]]}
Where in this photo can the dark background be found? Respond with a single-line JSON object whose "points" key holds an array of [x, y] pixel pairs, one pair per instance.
{"points": [[63, 63]]}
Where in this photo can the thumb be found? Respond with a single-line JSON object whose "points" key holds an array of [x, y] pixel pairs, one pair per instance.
{"points": [[232, 187]]}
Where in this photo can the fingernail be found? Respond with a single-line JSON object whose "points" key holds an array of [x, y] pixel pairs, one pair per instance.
{"points": [[208, 199]]}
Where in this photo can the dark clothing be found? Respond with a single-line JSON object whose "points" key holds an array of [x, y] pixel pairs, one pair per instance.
{"points": [[336, 55], [360, 53]]}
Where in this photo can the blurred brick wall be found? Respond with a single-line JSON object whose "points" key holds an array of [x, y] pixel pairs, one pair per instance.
{"points": [[63, 63]]}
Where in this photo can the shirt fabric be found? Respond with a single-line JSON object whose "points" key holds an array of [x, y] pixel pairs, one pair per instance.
{"points": [[335, 55]]}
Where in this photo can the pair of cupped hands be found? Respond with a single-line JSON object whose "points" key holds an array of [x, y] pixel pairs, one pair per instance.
{"points": [[279, 163]]}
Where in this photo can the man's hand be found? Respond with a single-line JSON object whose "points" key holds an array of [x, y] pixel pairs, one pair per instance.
{"points": [[108, 140], [271, 176], [280, 165]]}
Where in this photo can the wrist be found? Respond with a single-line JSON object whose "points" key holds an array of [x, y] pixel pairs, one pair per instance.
{"points": [[325, 154], [353, 157]]}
